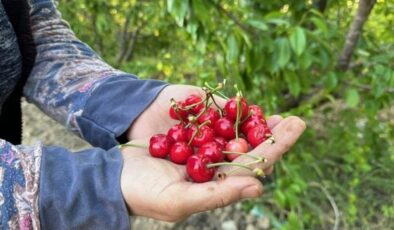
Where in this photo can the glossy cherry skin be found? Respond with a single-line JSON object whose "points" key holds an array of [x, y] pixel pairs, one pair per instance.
{"points": [[196, 168], [159, 145], [250, 123], [239, 146], [192, 100], [258, 135], [182, 113], [210, 115], [177, 133], [224, 127], [230, 109], [205, 135], [212, 150], [221, 141], [180, 152], [256, 111]]}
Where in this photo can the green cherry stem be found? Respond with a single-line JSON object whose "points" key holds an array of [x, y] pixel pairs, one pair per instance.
{"points": [[198, 131], [176, 109], [260, 159], [216, 90], [228, 164], [133, 145], [238, 100]]}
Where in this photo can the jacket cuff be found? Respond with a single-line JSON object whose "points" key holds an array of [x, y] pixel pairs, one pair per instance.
{"points": [[82, 190], [113, 106]]}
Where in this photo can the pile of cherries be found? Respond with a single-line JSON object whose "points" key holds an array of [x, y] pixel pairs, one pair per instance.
{"points": [[208, 136]]}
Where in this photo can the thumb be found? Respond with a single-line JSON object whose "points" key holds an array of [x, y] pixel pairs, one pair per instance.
{"points": [[217, 194]]}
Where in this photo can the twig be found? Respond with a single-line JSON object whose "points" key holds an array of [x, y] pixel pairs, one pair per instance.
{"points": [[331, 200]]}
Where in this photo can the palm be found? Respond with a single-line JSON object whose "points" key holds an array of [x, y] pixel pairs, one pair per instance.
{"points": [[155, 118]]}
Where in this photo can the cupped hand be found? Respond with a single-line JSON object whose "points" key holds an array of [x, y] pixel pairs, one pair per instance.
{"points": [[159, 189]]}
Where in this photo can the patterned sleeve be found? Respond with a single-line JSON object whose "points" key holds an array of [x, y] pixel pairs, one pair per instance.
{"points": [[73, 85], [19, 180]]}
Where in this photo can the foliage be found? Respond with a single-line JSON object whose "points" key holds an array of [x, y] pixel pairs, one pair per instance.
{"points": [[283, 54]]}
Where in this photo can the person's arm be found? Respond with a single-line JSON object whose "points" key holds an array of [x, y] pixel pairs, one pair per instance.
{"points": [[52, 188], [71, 83]]}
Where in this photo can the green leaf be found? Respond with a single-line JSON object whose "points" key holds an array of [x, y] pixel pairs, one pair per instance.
{"points": [[352, 97], [321, 25], [293, 83], [232, 49], [298, 40], [259, 24], [283, 52], [330, 81]]}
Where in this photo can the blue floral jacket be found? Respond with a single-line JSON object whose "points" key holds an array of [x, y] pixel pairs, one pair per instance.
{"points": [[50, 187]]}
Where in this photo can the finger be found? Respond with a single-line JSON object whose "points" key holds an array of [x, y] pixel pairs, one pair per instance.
{"points": [[269, 170], [217, 194], [286, 133], [273, 120]]}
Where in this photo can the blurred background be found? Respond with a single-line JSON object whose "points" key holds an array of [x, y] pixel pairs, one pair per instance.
{"points": [[329, 61]]}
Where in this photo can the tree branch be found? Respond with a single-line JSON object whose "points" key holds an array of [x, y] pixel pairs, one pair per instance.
{"points": [[232, 17], [363, 11]]}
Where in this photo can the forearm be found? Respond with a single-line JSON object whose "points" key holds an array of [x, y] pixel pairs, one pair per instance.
{"points": [[68, 77]]}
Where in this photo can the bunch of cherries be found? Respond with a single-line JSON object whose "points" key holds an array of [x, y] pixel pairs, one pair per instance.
{"points": [[208, 136]]}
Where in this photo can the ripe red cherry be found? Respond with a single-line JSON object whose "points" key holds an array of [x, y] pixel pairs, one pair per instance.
{"points": [[221, 141], [212, 150], [192, 100], [205, 135], [177, 133], [239, 146], [256, 111], [159, 145], [180, 152], [258, 135], [230, 109], [182, 113], [224, 127], [210, 115], [196, 168], [250, 123]]}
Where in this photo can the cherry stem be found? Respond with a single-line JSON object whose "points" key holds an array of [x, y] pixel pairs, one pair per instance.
{"points": [[198, 131], [216, 90], [216, 104], [133, 145], [260, 159], [237, 99], [257, 171], [176, 109], [247, 117], [228, 164]]}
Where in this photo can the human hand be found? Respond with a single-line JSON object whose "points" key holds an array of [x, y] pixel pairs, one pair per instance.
{"points": [[159, 189]]}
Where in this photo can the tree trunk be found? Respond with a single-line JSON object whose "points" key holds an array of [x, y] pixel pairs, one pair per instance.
{"points": [[363, 11], [320, 5]]}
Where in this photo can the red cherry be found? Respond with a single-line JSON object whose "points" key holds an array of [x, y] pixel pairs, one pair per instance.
{"points": [[230, 109], [224, 127], [212, 115], [192, 100], [205, 135], [180, 152], [159, 145], [256, 111], [196, 168], [177, 133], [221, 141], [182, 113], [239, 146], [212, 150], [258, 135], [250, 123]]}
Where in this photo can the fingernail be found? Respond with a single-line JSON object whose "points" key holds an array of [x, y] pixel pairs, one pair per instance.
{"points": [[251, 191]]}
